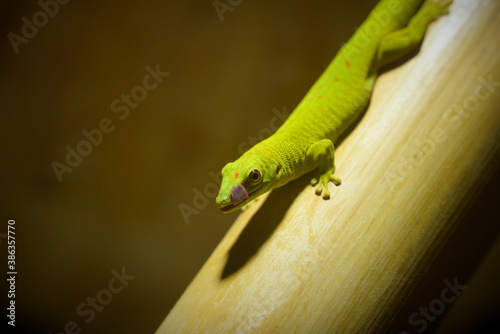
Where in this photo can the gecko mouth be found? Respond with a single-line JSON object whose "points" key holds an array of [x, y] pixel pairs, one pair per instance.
{"points": [[238, 195], [227, 208]]}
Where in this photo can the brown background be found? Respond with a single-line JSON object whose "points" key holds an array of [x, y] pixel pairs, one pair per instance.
{"points": [[120, 206]]}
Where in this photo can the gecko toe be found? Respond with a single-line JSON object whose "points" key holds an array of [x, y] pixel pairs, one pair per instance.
{"points": [[326, 193], [335, 179], [319, 189]]}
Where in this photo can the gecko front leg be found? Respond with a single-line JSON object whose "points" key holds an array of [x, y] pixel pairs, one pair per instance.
{"points": [[321, 154]]}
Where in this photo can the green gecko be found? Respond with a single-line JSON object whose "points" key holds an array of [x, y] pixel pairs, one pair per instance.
{"points": [[305, 140]]}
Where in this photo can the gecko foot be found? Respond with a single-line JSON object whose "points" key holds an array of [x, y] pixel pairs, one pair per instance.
{"points": [[438, 7], [321, 184]]}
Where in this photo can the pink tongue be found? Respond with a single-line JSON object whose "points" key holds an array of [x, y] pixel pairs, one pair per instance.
{"points": [[238, 194]]}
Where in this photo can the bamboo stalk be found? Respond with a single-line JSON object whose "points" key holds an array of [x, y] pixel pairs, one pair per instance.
{"points": [[294, 263]]}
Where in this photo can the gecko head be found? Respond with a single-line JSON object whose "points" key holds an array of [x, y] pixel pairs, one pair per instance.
{"points": [[242, 183]]}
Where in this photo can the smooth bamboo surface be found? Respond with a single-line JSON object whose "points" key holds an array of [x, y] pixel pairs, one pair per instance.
{"points": [[294, 263]]}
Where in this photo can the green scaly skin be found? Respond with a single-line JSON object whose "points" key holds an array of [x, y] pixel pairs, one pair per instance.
{"points": [[305, 141]]}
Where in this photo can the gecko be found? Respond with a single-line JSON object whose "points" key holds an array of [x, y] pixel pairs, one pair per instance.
{"points": [[304, 142]]}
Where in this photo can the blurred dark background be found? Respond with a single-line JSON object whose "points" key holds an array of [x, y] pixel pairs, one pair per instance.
{"points": [[130, 204]]}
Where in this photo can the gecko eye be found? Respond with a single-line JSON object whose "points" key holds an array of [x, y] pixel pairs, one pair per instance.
{"points": [[254, 176]]}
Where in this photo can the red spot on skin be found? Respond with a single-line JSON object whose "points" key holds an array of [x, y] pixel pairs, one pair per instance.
{"points": [[358, 46], [347, 63], [320, 97], [236, 175], [336, 79], [318, 87]]}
